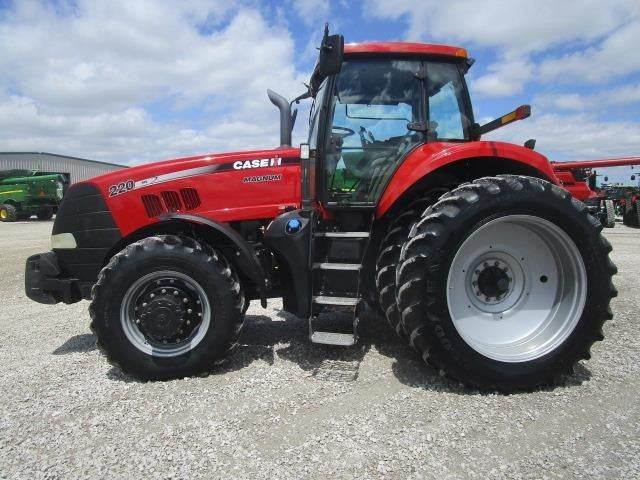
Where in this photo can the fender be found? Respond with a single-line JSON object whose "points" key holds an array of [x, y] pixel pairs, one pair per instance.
{"points": [[254, 269], [429, 157]]}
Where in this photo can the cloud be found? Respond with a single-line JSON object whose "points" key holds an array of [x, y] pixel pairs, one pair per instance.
{"points": [[623, 95], [312, 11], [82, 78], [576, 136], [612, 58], [505, 78]]}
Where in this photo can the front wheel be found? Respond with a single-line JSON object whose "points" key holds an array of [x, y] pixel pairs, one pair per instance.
{"points": [[505, 283], [8, 213], [167, 307]]}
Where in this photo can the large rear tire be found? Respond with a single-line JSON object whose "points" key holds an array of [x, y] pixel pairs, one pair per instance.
{"points": [[389, 254], [8, 213], [167, 307], [505, 283]]}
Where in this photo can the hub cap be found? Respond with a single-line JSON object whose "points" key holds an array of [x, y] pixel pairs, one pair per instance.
{"points": [[165, 313], [516, 288]]}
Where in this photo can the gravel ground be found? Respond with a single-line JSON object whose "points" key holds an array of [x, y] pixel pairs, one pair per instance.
{"points": [[283, 408]]}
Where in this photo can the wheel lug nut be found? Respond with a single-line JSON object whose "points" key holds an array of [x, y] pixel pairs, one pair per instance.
{"points": [[495, 264], [144, 304], [485, 264], [199, 314], [137, 320], [171, 281], [188, 322], [175, 292], [152, 295], [164, 290], [189, 310], [185, 299]]}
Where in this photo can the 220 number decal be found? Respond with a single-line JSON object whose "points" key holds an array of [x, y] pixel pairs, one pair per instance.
{"points": [[122, 187]]}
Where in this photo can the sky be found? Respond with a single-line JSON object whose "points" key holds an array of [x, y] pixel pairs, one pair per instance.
{"points": [[139, 80]]}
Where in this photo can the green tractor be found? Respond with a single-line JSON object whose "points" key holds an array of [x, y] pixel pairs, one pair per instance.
{"points": [[24, 193]]}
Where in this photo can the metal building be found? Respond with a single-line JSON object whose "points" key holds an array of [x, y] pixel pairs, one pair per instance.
{"points": [[78, 169]]}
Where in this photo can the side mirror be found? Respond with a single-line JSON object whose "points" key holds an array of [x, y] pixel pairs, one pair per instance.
{"points": [[331, 52], [329, 61]]}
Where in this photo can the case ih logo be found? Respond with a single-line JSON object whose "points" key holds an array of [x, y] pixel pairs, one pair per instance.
{"points": [[257, 163]]}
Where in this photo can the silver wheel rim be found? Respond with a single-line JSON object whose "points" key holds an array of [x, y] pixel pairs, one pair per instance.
{"points": [[516, 288], [130, 321]]}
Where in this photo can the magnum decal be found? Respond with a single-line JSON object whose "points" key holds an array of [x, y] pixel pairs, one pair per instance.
{"points": [[263, 178]]}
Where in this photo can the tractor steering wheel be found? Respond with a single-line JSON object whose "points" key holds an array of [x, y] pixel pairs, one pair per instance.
{"points": [[343, 132]]}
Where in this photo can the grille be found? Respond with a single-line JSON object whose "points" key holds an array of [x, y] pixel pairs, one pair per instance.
{"points": [[190, 198], [152, 205], [171, 201]]}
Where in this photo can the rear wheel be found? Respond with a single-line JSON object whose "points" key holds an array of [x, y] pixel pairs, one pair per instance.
{"points": [[389, 254], [505, 283], [8, 213], [609, 213], [628, 217], [167, 307]]}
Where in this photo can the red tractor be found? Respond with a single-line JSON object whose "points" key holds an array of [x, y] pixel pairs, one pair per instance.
{"points": [[477, 257], [579, 178]]}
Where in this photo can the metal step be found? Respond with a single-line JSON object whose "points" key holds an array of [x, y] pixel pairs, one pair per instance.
{"points": [[333, 338], [342, 234], [341, 301], [337, 266]]}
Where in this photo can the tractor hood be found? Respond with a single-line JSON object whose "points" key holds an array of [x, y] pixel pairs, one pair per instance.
{"points": [[224, 187]]}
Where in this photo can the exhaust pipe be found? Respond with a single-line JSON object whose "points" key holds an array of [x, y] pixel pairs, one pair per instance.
{"points": [[286, 121]]}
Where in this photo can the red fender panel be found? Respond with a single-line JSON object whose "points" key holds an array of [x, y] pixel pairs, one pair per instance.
{"points": [[430, 157]]}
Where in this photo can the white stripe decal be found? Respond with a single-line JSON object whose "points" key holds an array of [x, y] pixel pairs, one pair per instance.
{"points": [[167, 177]]}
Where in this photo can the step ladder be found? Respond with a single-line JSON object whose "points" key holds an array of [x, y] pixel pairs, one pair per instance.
{"points": [[336, 299]]}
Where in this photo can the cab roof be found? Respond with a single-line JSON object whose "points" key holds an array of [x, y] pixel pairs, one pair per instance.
{"points": [[404, 47]]}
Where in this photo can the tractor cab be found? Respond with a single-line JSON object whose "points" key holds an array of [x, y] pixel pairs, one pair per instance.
{"points": [[376, 108], [375, 111]]}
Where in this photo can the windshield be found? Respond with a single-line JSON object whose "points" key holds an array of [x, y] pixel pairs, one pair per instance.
{"points": [[373, 101]]}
